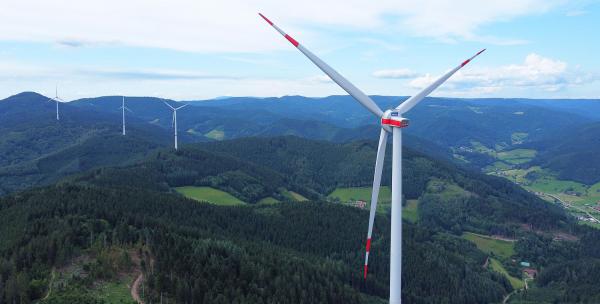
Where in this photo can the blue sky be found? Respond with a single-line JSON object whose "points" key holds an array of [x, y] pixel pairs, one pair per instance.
{"points": [[188, 49]]}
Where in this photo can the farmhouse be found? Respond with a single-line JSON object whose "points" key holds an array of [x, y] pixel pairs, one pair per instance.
{"points": [[359, 204]]}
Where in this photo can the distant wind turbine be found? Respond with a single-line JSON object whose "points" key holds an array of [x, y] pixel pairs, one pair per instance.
{"points": [[175, 119], [56, 99], [123, 108], [391, 122]]}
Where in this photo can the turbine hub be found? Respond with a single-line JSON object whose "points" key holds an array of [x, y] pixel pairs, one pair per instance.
{"points": [[392, 118]]}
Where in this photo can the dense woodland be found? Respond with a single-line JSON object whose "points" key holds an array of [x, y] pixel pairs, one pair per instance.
{"points": [[212, 254], [497, 206], [570, 270], [572, 153], [300, 252]]}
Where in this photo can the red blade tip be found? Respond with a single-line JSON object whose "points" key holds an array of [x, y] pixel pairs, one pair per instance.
{"points": [[366, 268], [266, 19]]}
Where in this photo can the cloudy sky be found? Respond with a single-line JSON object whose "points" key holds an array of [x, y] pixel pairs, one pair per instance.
{"points": [[198, 49]]}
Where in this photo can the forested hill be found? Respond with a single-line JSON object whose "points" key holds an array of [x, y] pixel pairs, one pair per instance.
{"points": [[310, 252], [252, 169], [36, 149], [200, 253], [495, 206], [166, 169], [572, 153]]}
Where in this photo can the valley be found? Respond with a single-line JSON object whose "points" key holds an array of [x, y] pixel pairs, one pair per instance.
{"points": [[228, 152], [226, 200], [579, 199]]}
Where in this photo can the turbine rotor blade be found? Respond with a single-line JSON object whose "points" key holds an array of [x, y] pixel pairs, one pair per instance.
{"points": [[361, 97], [412, 101], [185, 105], [168, 105], [375, 192]]}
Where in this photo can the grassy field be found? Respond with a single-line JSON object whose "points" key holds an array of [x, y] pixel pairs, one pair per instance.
{"points": [[191, 131], [594, 189], [542, 181], [496, 166], [345, 195], [114, 292], [504, 249], [364, 193], [411, 212], [216, 134], [479, 147], [516, 283], [546, 182], [446, 190], [516, 156], [361, 193], [268, 201], [552, 185], [518, 137], [294, 196], [297, 196], [208, 194]]}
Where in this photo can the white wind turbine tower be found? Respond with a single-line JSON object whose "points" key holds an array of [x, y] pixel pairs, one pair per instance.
{"points": [[175, 119], [391, 122], [123, 108], [56, 99]]}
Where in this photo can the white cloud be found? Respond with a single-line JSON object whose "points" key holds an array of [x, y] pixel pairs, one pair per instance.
{"points": [[24, 71], [319, 79], [450, 20], [395, 74], [80, 82], [535, 73], [233, 25]]}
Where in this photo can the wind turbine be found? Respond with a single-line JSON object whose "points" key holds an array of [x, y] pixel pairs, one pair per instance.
{"points": [[391, 122], [123, 108], [56, 99], [175, 119]]}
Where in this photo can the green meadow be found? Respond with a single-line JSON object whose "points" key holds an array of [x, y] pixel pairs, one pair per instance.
{"points": [[496, 266], [216, 134], [363, 193], [210, 195], [504, 249]]}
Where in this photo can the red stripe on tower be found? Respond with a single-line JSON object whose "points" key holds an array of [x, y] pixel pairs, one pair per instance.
{"points": [[292, 40], [268, 21]]}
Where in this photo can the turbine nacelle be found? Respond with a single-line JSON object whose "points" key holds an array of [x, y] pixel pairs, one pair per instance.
{"points": [[393, 118]]}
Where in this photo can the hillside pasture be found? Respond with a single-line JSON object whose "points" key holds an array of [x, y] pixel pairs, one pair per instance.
{"points": [[346, 195], [210, 195], [489, 245], [516, 156], [496, 266]]}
